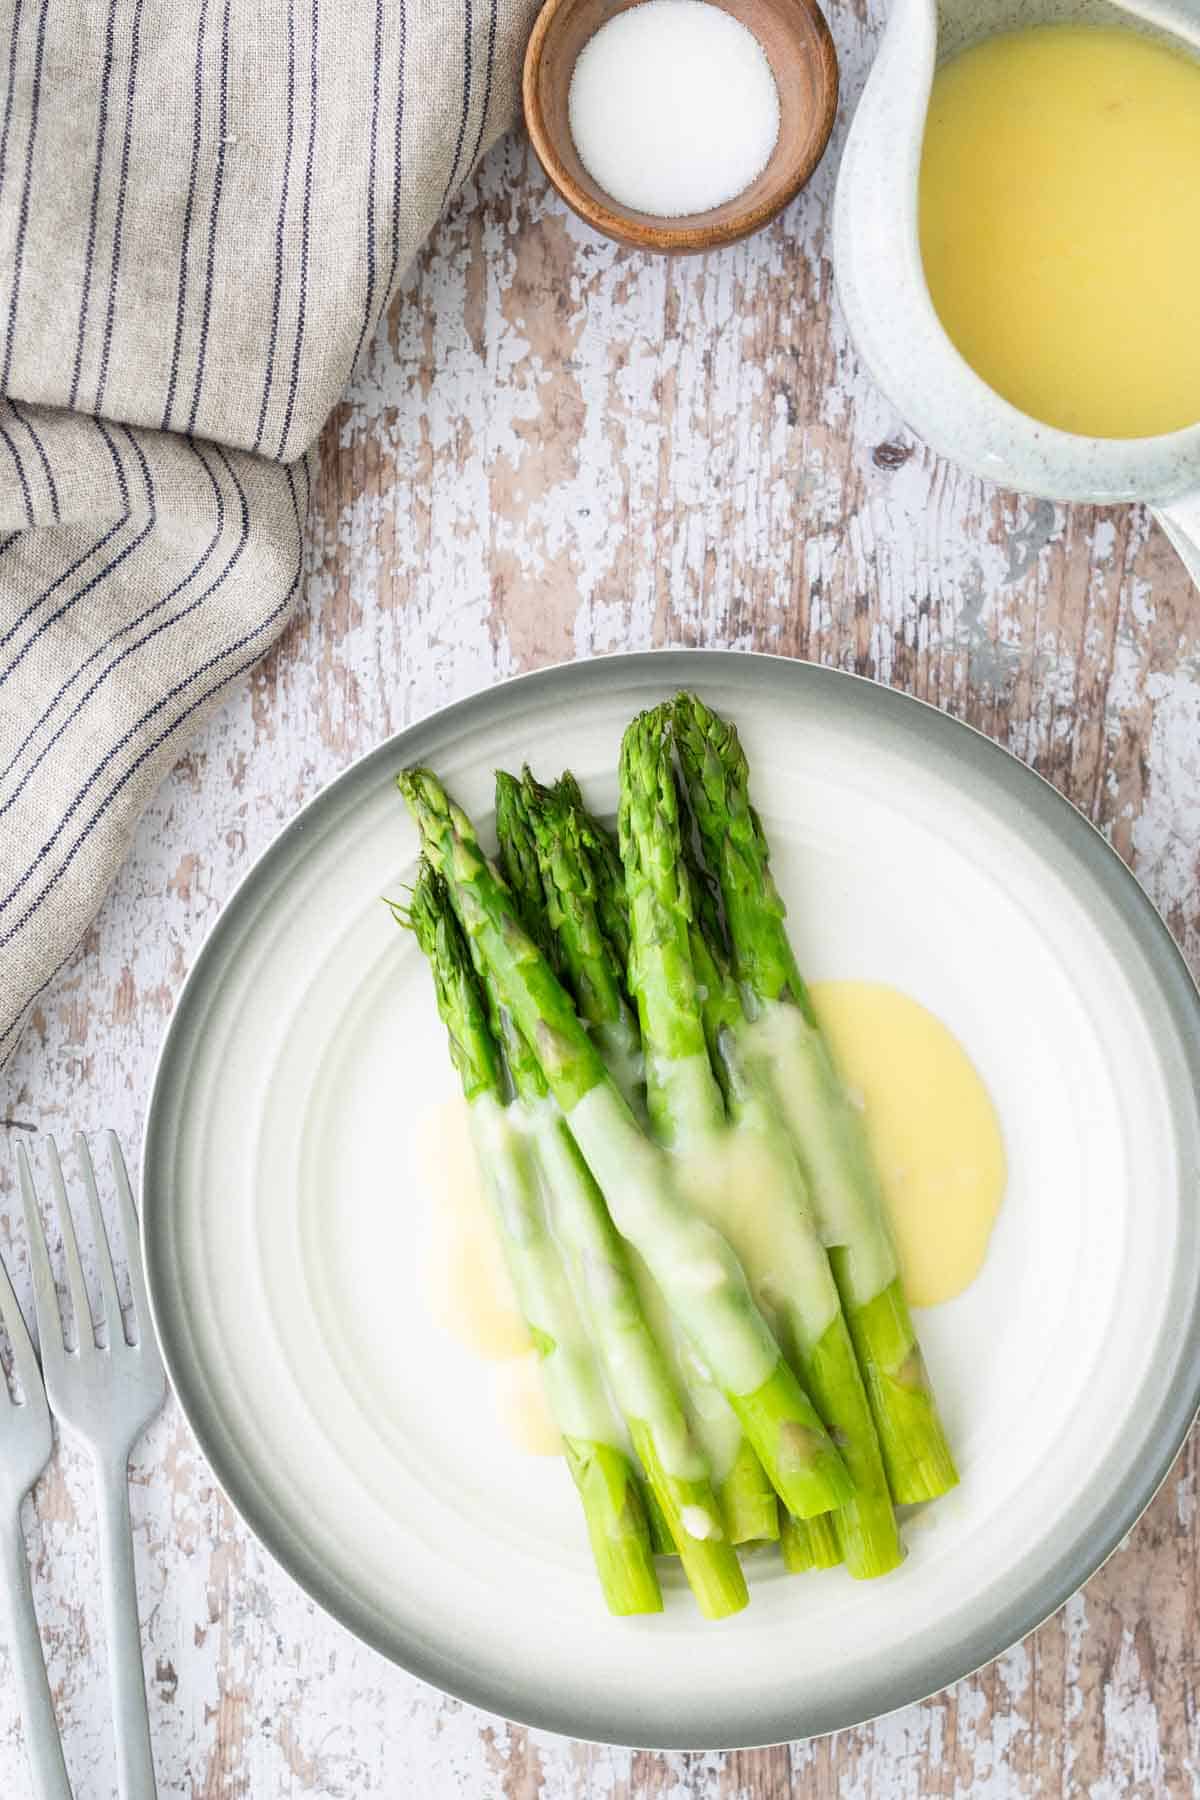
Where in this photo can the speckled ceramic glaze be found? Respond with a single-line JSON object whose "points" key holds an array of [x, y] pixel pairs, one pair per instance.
{"points": [[881, 282]]}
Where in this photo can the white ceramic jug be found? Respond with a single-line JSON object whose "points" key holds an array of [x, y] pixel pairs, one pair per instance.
{"points": [[881, 282]]}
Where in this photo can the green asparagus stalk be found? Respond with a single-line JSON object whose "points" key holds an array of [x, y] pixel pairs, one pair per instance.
{"points": [[600, 1467], [678, 1001], [825, 1126], [681, 1507], [661, 1541], [685, 1508], [585, 957], [745, 1498], [749, 1505], [785, 1260], [807, 1544], [553, 874], [685, 1103], [701, 1278], [608, 875], [673, 995], [520, 864]]}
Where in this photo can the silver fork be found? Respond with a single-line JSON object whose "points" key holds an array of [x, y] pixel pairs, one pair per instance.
{"points": [[106, 1396], [26, 1441]]}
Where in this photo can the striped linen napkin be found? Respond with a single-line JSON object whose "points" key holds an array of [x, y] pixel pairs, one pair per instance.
{"points": [[205, 206]]}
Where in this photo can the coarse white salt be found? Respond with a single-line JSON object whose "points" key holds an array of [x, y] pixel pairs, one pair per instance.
{"points": [[673, 107]]}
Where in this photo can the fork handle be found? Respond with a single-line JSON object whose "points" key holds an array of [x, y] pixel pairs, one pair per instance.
{"points": [[42, 1741], [135, 1767]]}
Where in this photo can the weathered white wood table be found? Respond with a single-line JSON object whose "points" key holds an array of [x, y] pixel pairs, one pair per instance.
{"points": [[559, 449]]}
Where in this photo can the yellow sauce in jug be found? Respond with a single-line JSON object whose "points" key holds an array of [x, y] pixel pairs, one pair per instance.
{"points": [[1060, 224]]}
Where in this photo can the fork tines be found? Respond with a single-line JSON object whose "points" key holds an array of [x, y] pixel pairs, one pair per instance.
{"points": [[50, 1334]]}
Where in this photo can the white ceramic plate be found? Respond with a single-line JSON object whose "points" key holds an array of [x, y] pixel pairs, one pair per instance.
{"points": [[284, 1214]]}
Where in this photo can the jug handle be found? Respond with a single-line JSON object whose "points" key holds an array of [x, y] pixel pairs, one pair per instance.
{"points": [[1180, 519]]}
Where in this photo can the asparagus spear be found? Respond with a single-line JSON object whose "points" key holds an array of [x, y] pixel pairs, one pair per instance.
{"points": [[681, 1506], [677, 1475], [700, 1277], [520, 865], [553, 875], [809, 1543], [785, 1260], [608, 875], [585, 959], [675, 1005], [805, 1543], [661, 1541], [677, 997], [591, 1436], [746, 1500], [826, 1128]]}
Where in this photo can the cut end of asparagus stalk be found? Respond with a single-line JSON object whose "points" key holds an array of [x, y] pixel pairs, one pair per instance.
{"points": [[868, 1536], [617, 1527], [809, 1544], [697, 1532], [749, 1507], [915, 1452], [866, 1528], [911, 1439]]}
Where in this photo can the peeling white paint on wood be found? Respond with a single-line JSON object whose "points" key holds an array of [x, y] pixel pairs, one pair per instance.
{"points": [[559, 449]]}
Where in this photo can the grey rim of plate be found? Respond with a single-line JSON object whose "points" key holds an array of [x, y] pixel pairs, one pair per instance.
{"points": [[977, 759]]}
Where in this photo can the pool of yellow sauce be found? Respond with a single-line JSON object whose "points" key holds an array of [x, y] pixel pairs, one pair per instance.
{"points": [[467, 1288], [1060, 224], [932, 1127]]}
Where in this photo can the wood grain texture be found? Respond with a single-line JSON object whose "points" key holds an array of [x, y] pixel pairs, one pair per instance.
{"points": [[559, 449]]}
